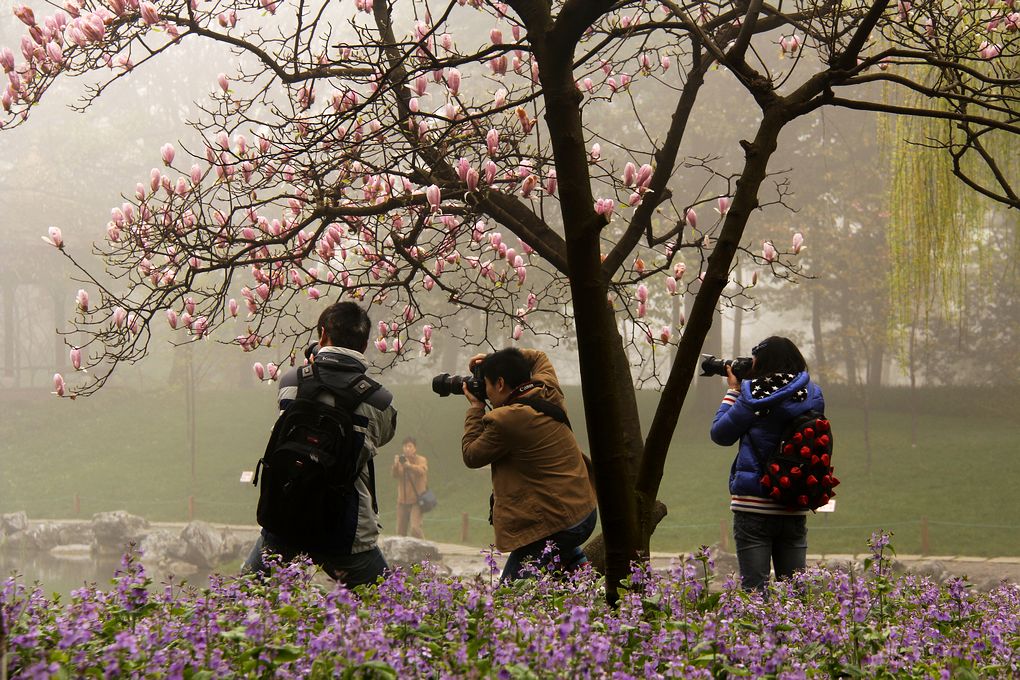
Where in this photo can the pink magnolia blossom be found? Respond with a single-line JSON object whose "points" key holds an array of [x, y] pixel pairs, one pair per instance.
{"points": [[222, 81], [6, 59], [25, 15], [434, 196], [272, 371], [150, 15], [119, 317], [551, 183], [671, 285], [691, 218], [518, 332], [790, 44], [314, 293], [596, 151], [644, 176], [989, 50], [381, 345], [798, 243], [453, 81], [665, 63], [605, 206], [723, 205], [528, 185], [58, 385], [629, 174], [186, 319], [492, 141], [490, 171], [55, 237], [232, 307], [260, 370], [641, 310], [679, 269], [384, 328], [82, 300], [665, 334], [522, 274], [642, 293], [634, 199], [167, 152], [171, 318], [199, 326], [76, 358], [768, 251]]}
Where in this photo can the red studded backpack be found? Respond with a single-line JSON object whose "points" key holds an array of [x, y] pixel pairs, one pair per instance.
{"points": [[798, 473]]}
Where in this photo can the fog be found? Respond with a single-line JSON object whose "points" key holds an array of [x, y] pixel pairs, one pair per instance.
{"points": [[192, 418]]}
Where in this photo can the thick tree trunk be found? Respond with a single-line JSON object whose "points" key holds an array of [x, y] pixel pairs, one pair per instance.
{"points": [[610, 408], [745, 200]]}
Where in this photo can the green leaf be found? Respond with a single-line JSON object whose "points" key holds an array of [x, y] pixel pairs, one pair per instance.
{"points": [[285, 653]]}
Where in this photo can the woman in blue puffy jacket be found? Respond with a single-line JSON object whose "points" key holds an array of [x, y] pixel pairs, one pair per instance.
{"points": [[756, 411]]}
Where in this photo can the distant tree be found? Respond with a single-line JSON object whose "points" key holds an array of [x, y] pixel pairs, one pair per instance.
{"points": [[373, 156]]}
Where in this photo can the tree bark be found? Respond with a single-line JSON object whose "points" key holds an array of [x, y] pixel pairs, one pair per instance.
{"points": [[745, 200]]}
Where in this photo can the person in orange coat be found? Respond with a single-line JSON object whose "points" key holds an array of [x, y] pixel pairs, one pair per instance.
{"points": [[411, 470]]}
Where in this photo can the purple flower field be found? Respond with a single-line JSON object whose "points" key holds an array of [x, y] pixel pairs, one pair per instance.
{"points": [[864, 623]]}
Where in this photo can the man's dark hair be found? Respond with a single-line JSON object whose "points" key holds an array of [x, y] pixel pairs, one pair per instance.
{"points": [[410, 440], [777, 355], [346, 325], [508, 364]]}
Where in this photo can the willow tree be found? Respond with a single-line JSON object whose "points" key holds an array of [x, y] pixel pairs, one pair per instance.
{"points": [[467, 149]]}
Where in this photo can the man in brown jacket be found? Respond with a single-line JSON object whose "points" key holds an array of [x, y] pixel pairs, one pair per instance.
{"points": [[540, 484], [411, 470]]}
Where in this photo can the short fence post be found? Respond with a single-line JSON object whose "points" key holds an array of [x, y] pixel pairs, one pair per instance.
{"points": [[191, 508], [925, 544], [463, 527], [724, 536], [77, 505]]}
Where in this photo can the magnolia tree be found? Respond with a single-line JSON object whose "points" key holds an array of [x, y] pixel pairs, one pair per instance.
{"points": [[520, 158]]}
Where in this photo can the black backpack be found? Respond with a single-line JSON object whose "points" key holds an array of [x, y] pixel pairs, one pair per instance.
{"points": [[798, 473], [313, 459]]}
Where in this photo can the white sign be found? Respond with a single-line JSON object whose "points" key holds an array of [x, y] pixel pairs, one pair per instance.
{"points": [[248, 475], [828, 507]]}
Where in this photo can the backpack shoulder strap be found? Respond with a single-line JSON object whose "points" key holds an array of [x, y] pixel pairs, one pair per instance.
{"points": [[545, 407]]}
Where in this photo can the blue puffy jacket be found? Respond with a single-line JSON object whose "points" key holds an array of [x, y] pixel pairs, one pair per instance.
{"points": [[759, 434]]}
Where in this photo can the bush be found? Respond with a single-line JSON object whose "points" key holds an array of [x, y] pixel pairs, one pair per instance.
{"points": [[421, 624]]}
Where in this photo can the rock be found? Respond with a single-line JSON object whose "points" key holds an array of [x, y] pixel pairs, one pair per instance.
{"points": [[725, 563], [114, 531], [158, 546], [840, 564], [13, 522], [932, 569], [76, 532], [201, 544], [177, 568], [72, 551], [38, 537], [404, 551]]}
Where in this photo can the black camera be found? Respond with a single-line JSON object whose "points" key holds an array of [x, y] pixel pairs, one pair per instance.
{"points": [[711, 366], [445, 384]]}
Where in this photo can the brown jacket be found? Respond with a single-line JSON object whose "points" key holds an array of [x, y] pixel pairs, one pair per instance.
{"points": [[413, 478], [540, 482]]}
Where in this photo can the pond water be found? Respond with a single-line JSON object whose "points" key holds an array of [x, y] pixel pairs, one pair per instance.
{"points": [[64, 574]]}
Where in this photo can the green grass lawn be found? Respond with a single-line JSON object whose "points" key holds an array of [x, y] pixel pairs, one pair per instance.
{"points": [[125, 449]]}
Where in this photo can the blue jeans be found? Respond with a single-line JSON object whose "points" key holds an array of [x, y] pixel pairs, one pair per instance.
{"points": [[761, 539], [351, 570], [566, 547]]}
